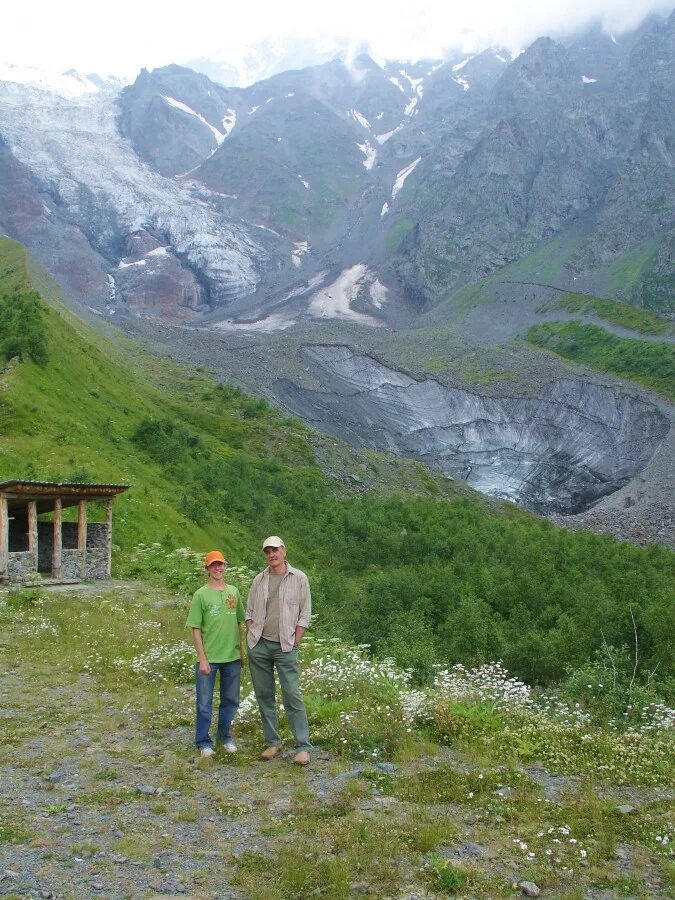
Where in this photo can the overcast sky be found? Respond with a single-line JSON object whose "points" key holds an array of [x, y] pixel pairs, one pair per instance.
{"points": [[121, 36]]}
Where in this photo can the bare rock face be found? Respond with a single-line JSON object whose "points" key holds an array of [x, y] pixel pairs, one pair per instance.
{"points": [[152, 282], [558, 452]]}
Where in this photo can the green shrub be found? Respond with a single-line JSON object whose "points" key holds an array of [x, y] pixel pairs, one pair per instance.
{"points": [[23, 331], [651, 364]]}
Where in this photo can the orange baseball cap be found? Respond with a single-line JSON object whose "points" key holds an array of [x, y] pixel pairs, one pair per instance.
{"points": [[213, 556]]}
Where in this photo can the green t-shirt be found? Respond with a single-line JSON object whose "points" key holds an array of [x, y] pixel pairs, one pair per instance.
{"points": [[216, 614]]}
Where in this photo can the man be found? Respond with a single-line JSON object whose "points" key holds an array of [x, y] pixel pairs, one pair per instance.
{"points": [[215, 616], [277, 614]]}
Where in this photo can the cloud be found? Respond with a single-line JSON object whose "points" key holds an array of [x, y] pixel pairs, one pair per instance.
{"points": [[131, 35]]}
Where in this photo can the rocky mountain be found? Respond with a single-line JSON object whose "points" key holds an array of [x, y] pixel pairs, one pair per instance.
{"points": [[362, 199], [430, 176]]}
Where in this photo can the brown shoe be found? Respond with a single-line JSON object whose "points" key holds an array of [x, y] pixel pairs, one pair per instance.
{"points": [[301, 758], [269, 753]]}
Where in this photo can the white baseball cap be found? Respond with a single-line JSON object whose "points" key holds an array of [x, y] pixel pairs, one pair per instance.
{"points": [[273, 541]]}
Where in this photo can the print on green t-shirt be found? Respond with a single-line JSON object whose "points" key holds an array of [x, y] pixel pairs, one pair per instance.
{"points": [[217, 613]]}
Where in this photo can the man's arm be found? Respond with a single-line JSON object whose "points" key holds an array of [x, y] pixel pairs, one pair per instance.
{"points": [[304, 612], [250, 602], [204, 666]]}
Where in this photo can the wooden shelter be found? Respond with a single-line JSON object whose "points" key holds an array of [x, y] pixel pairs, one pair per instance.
{"points": [[54, 551]]}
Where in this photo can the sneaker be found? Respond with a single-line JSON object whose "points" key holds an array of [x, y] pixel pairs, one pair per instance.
{"points": [[229, 746], [270, 753], [206, 752]]}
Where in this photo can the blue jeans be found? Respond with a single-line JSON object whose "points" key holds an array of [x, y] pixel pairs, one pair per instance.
{"points": [[230, 675]]}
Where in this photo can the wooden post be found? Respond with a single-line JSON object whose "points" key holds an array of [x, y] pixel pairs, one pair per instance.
{"points": [[33, 532], [4, 538], [58, 539], [82, 536], [108, 534]]}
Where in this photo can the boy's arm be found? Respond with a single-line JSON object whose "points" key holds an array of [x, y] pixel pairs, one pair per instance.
{"points": [[242, 657], [204, 666]]}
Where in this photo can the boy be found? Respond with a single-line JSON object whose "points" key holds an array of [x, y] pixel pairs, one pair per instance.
{"points": [[216, 614]]}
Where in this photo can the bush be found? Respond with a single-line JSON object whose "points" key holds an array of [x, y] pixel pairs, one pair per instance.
{"points": [[23, 331]]}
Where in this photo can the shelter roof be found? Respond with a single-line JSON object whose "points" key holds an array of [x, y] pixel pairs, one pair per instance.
{"points": [[19, 493]]}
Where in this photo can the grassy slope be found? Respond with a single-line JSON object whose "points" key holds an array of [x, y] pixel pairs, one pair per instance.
{"points": [[617, 313], [73, 419], [650, 364], [439, 577]]}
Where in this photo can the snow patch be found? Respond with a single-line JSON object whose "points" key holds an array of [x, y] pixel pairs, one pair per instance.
{"points": [[397, 83], [414, 82], [379, 116], [300, 248], [275, 322], [265, 228], [229, 121], [369, 152], [402, 175], [501, 58], [378, 293], [462, 81], [305, 288], [460, 65], [410, 108], [385, 210], [360, 118], [252, 110], [383, 138], [158, 251], [335, 300], [588, 80], [183, 107], [127, 265], [306, 183]]}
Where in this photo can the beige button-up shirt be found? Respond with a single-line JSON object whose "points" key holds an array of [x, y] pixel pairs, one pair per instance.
{"points": [[295, 606]]}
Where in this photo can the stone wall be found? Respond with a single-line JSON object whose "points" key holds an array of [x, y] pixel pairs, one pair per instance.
{"points": [[20, 565], [97, 563], [96, 535], [71, 564], [97, 559]]}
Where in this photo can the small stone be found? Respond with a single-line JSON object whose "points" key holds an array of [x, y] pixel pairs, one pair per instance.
{"points": [[11, 874], [529, 888], [387, 767], [97, 886], [504, 792], [474, 850], [622, 854], [145, 789], [359, 887], [58, 775], [46, 895], [625, 809], [118, 858]]}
